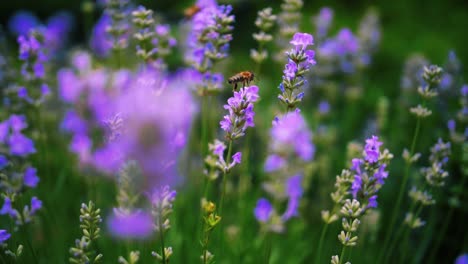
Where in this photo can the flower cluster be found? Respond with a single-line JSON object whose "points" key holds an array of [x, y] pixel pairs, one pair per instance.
{"points": [[208, 42], [32, 52], [90, 219], [344, 56], [216, 158], [118, 26], [340, 53], [144, 21], [369, 35], [162, 200], [241, 113], [412, 72], [92, 93], [300, 59], [290, 140], [451, 76], [210, 36], [136, 112], [154, 41], [322, 23], [55, 30], [290, 148], [434, 175], [264, 22], [267, 215], [368, 175], [16, 174], [431, 76]]}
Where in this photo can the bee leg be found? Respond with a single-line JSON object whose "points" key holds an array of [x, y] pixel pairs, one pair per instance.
{"points": [[235, 86]]}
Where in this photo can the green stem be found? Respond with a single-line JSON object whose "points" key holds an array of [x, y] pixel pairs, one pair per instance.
{"points": [[343, 251], [268, 238], [161, 236], [402, 190], [320, 245], [223, 193], [204, 127]]}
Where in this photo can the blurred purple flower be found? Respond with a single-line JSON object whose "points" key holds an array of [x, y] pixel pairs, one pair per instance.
{"points": [[274, 162], [36, 204], [462, 259], [18, 123], [100, 41], [323, 21], [20, 145], [3, 162], [133, 225], [7, 209], [58, 28], [4, 235], [263, 210], [236, 158], [291, 131], [294, 192], [22, 21], [324, 107], [30, 177]]}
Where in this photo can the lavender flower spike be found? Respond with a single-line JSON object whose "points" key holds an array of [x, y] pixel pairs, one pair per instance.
{"points": [[241, 113], [300, 59]]}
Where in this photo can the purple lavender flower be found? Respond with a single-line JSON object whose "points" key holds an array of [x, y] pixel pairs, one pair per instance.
{"points": [[369, 172], [236, 158], [72, 122], [302, 40], [4, 130], [32, 52], [347, 42], [208, 40], [100, 41], [462, 259], [36, 205], [324, 107], [323, 21], [299, 62], [451, 125], [3, 162], [216, 157], [7, 209], [241, 112], [22, 22], [263, 210], [162, 200], [58, 27], [18, 123], [371, 149], [4, 235], [294, 192], [274, 162], [137, 224], [30, 177], [21, 145], [291, 132]]}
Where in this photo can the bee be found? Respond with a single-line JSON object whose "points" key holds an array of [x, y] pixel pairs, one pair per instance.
{"points": [[245, 77], [191, 11]]}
